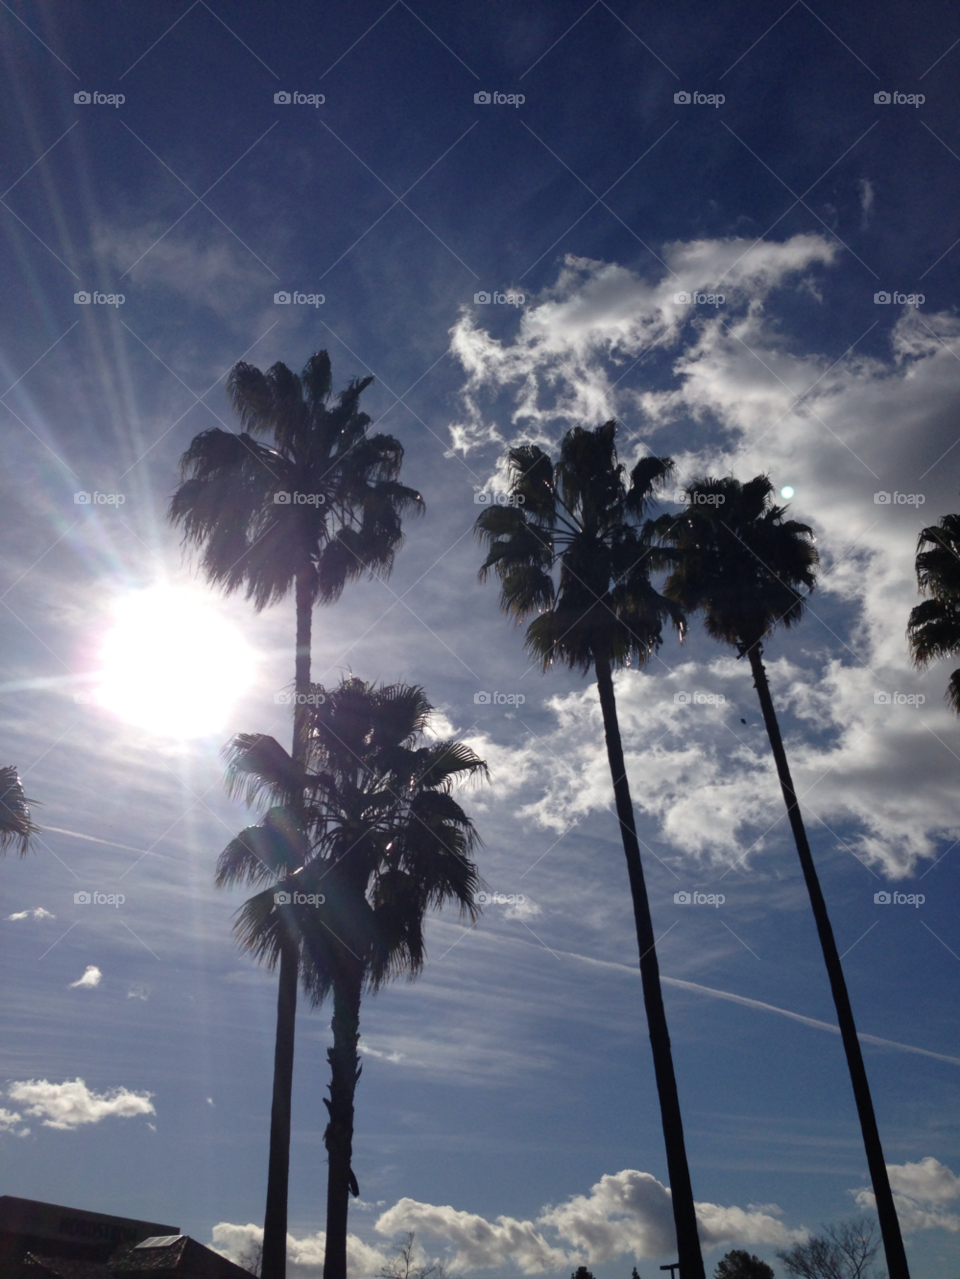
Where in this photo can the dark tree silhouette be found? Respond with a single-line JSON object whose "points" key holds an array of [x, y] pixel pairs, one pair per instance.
{"points": [[739, 1264], [583, 518], [16, 824], [740, 564], [933, 631], [845, 1251]]}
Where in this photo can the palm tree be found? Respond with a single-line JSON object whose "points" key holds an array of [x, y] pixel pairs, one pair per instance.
{"points": [[309, 510], [16, 824], [387, 841], [584, 517], [740, 564], [934, 627]]}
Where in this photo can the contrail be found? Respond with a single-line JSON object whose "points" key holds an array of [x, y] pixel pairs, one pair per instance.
{"points": [[109, 843]]}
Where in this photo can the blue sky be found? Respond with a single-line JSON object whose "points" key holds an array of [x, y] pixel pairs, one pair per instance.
{"points": [[507, 1111]]}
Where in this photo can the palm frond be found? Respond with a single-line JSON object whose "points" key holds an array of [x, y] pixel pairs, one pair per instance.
{"points": [[16, 824]]}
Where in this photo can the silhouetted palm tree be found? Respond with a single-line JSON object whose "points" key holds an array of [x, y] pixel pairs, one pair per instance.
{"points": [[385, 842], [934, 627], [312, 508], [16, 824], [583, 516], [740, 564]]}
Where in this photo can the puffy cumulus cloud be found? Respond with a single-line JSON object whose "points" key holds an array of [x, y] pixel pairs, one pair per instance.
{"points": [[304, 1255], [626, 1212], [921, 1192], [37, 913], [9, 1119], [72, 1104], [480, 1244], [90, 979], [839, 431]]}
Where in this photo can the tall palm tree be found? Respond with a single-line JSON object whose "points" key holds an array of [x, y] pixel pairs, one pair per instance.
{"points": [[742, 565], [16, 824], [934, 627], [582, 518], [387, 841], [309, 505]]}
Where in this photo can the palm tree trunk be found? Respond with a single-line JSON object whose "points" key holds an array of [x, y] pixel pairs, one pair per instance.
{"points": [[338, 1138], [684, 1211], [886, 1210], [278, 1169], [302, 667]]}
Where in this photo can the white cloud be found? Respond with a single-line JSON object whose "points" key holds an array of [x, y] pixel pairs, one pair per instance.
{"points": [[304, 1255], [628, 1212], [91, 978], [920, 1192], [37, 913], [72, 1104], [9, 1120]]}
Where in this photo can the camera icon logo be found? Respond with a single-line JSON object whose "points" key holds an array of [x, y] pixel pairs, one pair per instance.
{"points": [[281, 499], [881, 699], [83, 98], [882, 98], [681, 297], [481, 98], [82, 298], [282, 899], [681, 97], [481, 899], [881, 298], [282, 98], [482, 296], [282, 298], [681, 699], [481, 699], [682, 899], [82, 899], [882, 899], [81, 498], [882, 498]]}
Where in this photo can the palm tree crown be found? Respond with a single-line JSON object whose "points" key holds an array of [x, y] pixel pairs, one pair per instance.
{"points": [[934, 627], [16, 824]]}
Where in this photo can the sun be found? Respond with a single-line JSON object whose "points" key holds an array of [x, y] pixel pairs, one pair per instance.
{"points": [[171, 664]]}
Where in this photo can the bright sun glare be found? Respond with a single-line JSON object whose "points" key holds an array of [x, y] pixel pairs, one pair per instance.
{"points": [[171, 665]]}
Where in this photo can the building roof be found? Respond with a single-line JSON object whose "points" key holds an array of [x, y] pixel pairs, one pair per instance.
{"points": [[175, 1255]]}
